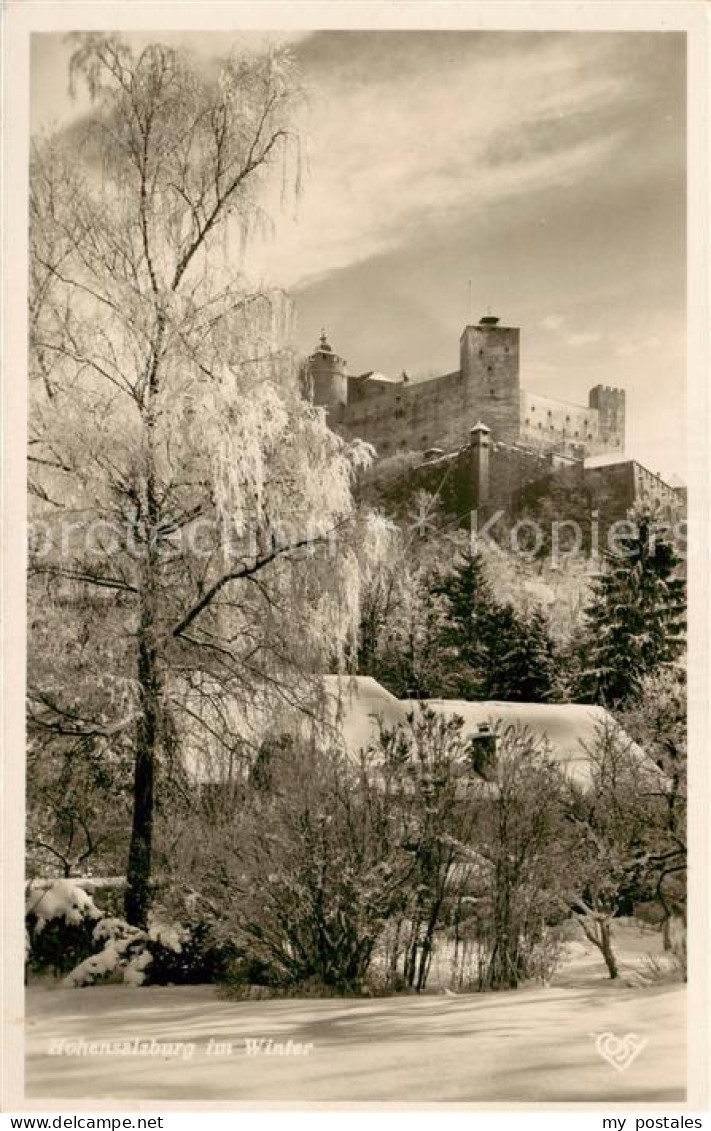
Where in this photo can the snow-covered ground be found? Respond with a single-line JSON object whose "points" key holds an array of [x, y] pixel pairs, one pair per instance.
{"points": [[534, 1044]]}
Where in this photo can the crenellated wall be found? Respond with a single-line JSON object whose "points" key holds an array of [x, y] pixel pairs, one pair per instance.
{"points": [[610, 405]]}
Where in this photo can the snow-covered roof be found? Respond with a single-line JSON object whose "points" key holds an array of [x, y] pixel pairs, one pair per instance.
{"points": [[373, 375], [566, 728], [357, 706]]}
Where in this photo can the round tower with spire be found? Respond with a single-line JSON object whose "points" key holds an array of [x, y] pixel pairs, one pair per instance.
{"points": [[326, 376]]}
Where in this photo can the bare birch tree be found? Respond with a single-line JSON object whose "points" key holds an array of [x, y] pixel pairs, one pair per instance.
{"points": [[182, 487]]}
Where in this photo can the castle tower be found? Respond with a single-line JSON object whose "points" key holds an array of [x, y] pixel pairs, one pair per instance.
{"points": [[610, 405], [489, 366], [326, 378]]}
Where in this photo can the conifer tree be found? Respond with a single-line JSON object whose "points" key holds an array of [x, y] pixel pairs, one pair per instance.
{"points": [[469, 605], [636, 617], [523, 664]]}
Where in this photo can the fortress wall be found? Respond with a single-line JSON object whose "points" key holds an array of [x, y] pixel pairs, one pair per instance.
{"points": [[611, 489], [454, 480], [546, 421], [523, 483], [511, 469], [649, 487], [409, 416]]}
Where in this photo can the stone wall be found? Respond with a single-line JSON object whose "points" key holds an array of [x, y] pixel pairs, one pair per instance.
{"points": [[550, 423], [649, 487], [408, 416], [519, 482]]}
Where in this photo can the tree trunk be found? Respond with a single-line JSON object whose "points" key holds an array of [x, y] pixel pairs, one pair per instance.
{"points": [[394, 956], [138, 873], [606, 948], [148, 726]]}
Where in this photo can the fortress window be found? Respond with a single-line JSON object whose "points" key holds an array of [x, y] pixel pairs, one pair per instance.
{"points": [[492, 392], [528, 420], [533, 408], [577, 434], [567, 420], [539, 424], [489, 369]]}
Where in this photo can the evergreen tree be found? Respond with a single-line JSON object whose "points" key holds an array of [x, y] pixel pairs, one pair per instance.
{"points": [[494, 652], [469, 606], [636, 618], [523, 664]]}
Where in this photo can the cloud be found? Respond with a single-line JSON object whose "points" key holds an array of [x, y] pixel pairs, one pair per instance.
{"points": [[638, 345], [407, 133], [584, 338], [395, 153], [557, 323]]}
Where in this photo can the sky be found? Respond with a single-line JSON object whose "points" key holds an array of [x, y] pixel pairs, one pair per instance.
{"points": [[542, 173]]}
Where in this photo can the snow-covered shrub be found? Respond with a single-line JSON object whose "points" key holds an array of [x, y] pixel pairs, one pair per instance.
{"points": [[126, 952], [122, 945], [164, 953], [59, 924], [188, 955]]}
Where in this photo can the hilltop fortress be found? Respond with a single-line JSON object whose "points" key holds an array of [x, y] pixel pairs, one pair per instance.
{"points": [[402, 415], [507, 446]]}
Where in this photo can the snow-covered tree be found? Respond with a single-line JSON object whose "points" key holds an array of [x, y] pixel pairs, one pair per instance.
{"points": [[193, 538], [522, 663], [468, 600], [657, 722], [635, 621], [519, 837], [613, 836], [427, 774], [489, 648], [305, 877]]}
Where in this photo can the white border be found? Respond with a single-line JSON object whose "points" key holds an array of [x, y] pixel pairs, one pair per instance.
{"points": [[19, 20]]}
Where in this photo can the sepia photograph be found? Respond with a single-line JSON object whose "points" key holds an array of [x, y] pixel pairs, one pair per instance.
{"points": [[356, 590]]}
